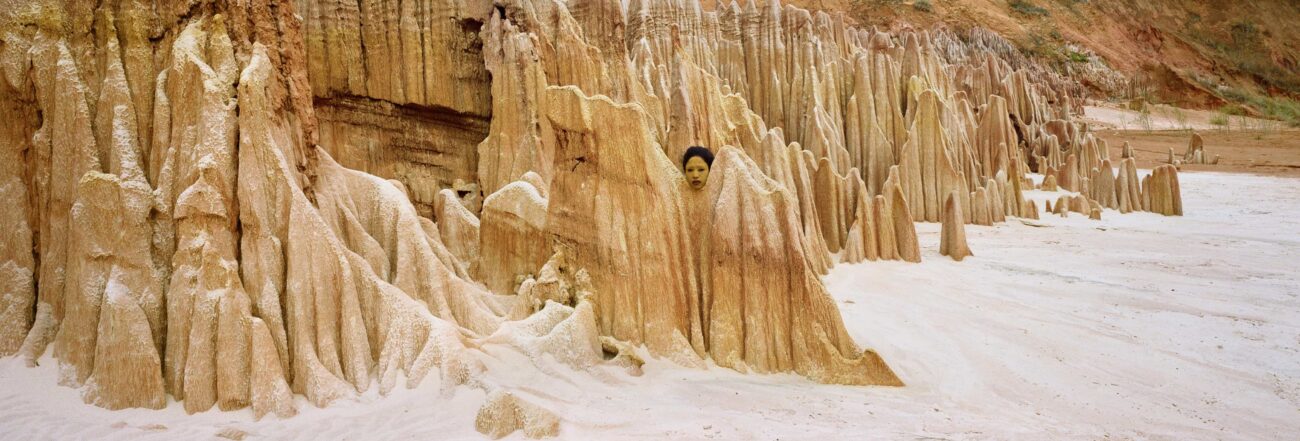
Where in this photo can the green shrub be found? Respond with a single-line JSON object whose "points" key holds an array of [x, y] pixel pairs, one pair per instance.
{"points": [[923, 5], [1027, 8]]}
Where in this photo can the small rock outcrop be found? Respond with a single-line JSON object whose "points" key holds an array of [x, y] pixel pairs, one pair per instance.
{"points": [[1196, 152], [952, 241], [1160, 192], [504, 413]]}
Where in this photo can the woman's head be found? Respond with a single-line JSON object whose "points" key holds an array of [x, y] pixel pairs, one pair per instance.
{"points": [[695, 165]]}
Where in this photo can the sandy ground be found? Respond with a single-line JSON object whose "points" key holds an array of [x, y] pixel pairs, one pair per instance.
{"points": [[1105, 115], [1271, 152], [1245, 144], [1137, 326]]}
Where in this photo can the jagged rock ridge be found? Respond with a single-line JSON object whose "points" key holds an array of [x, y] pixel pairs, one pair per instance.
{"points": [[187, 222]]}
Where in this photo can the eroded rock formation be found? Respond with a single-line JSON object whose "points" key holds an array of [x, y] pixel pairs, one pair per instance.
{"points": [[235, 202], [1196, 152], [1160, 192], [952, 242]]}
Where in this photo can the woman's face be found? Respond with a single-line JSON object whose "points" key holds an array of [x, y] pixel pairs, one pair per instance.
{"points": [[697, 172]]}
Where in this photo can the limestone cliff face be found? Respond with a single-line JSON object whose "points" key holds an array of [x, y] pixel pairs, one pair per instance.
{"points": [[237, 201], [190, 249], [400, 89]]}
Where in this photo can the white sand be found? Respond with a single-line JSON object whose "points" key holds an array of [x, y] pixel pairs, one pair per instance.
{"points": [[1134, 327]]}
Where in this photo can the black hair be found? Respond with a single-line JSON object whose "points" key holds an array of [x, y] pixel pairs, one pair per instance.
{"points": [[697, 151]]}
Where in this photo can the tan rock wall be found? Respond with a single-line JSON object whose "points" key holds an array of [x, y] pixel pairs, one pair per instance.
{"points": [[426, 149]]}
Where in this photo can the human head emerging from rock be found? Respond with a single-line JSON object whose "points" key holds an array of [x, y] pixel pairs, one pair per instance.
{"points": [[695, 164]]}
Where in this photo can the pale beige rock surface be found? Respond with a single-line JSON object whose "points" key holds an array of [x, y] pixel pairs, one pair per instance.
{"points": [[504, 413], [512, 240], [459, 230]]}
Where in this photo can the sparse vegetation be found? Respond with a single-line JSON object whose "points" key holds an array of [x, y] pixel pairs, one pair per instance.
{"points": [[1144, 118], [1180, 116], [1045, 44], [1247, 53], [1243, 122], [1220, 120], [1071, 4], [1076, 57], [875, 12], [1027, 8], [1284, 109], [1242, 48], [923, 5], [1232, 110]]}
